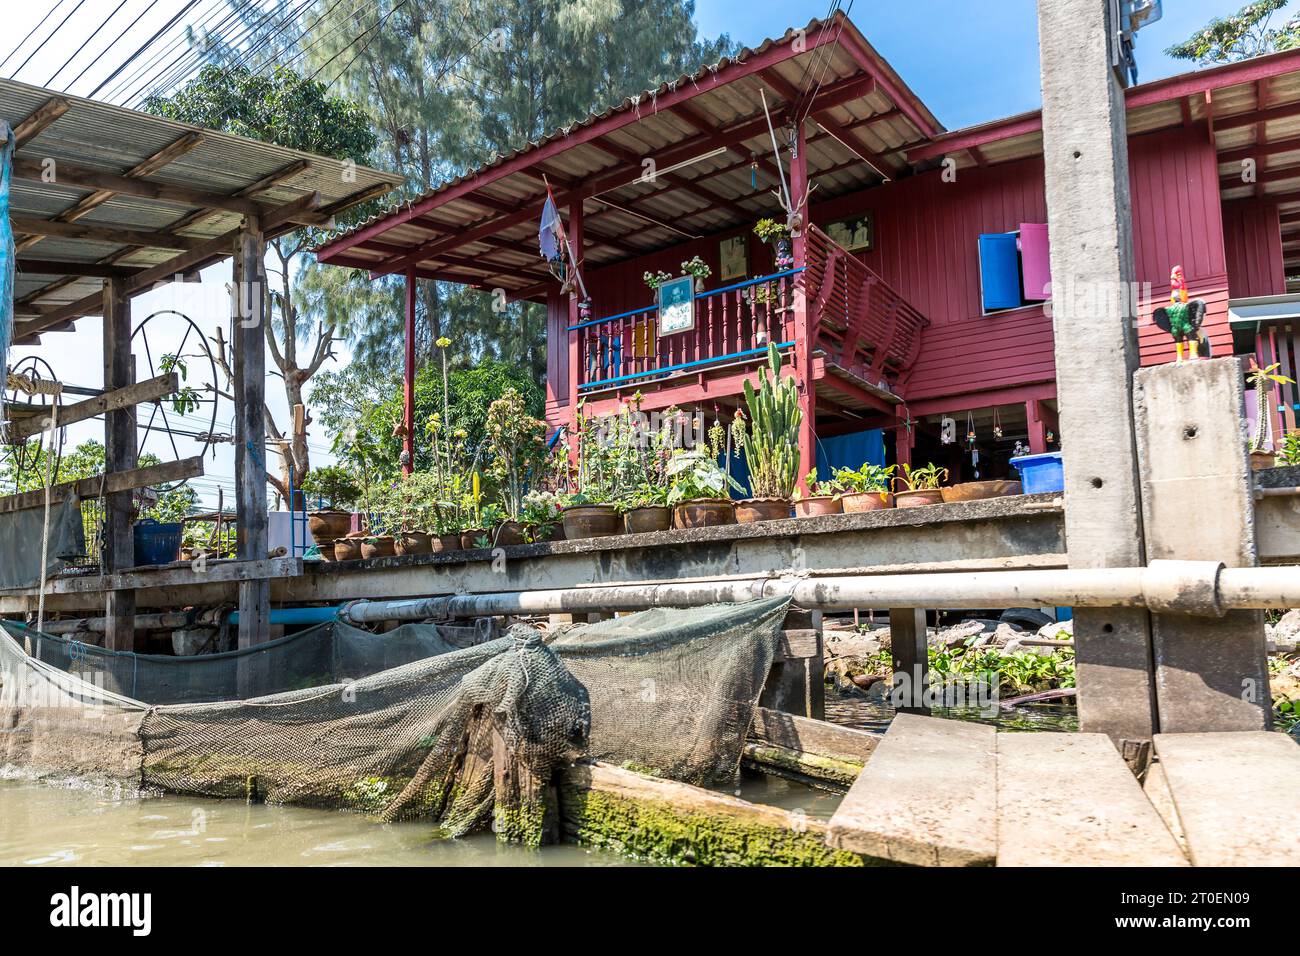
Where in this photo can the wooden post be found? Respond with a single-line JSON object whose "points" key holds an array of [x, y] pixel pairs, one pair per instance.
{"points": [[575, 235], [805, 321], [526, 807], [408, 379], [119, 455], [1037, 427], [1085, 150], [249, 298], [909, 648]]}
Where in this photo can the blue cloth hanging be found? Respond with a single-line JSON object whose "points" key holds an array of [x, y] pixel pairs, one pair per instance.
{"points": [[6, 263]]}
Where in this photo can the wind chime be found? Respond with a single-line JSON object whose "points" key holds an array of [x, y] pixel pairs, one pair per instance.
{"points": [[997, 425], [971, 439]]}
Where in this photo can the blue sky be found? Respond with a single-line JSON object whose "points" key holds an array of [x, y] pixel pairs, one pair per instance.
{"points": [[970, 60]]}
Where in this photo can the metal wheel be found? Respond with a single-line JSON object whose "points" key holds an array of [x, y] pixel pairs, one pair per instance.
{"points": [[28, 457], [162, 345]]}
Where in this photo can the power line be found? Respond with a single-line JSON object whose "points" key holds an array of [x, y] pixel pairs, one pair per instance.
{"points": [[47, 39], [128, 90], [126, 81], [85, 43], [191, 57], [29, 33], [104, 52], [167, 26]]}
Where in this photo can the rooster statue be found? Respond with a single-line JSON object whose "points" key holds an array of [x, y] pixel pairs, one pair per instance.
{"points": [[1182, 318]]}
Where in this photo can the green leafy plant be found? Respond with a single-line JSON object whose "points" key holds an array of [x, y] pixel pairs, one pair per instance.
{"points": [[697, 267], [695, 475], [867, 479], [770, 230], [186, 399], [831, 488], [516, 448], [926, 478], [654, 280], [1289, 452], [333, 486], [769, 435], [541, 513]]}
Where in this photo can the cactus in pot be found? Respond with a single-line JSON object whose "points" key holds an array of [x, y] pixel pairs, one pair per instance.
{"points": [[769, 436]]}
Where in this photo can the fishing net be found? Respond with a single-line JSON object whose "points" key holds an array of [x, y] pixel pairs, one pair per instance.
{"points": [[340, 720]]}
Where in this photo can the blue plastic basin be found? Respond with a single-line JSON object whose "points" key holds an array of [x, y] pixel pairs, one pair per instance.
{"points": [[1041, 473], [157, 543]]}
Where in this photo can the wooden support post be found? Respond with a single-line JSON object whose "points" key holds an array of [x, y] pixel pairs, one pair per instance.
{"points": [[526, 807], [805, 319], [576, 373], [119, 455], [249, 299], [1198, 505], [408, 379], [909, 648], [796, 683], [1037, 427], [1090, 218]]}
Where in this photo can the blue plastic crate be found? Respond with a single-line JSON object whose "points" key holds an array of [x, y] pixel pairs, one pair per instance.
{"points": [[1041, 473], [156, 542]]}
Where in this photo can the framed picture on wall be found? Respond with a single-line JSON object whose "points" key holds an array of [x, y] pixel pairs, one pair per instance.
{"points": [[856, 234], [677, 305], [733, 254]]}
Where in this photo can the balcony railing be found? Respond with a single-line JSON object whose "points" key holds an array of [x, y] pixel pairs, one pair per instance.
{"points": [[732, 324], [864, 324]]}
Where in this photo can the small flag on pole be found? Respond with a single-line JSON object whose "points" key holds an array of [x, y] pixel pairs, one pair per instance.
{"points": [[548, 235]]}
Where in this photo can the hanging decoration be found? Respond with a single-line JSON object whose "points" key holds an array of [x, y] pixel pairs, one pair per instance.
{"points": [[997, 424], [970, 429], [753, 171], [6, 261], [555, 246], [947, 430]]}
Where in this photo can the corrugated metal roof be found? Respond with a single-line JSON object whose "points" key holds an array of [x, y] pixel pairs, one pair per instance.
{"points": [[111, 139]]}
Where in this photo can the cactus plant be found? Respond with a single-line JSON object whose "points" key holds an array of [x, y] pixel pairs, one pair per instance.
{"points": [[769, 435]]}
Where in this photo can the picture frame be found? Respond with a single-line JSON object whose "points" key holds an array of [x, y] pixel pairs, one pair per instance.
{"points": [[733, 258], [676, 299], [854, 233]]}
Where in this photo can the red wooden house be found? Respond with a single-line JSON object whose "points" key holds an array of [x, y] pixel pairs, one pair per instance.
{"points": [[931, 301]]}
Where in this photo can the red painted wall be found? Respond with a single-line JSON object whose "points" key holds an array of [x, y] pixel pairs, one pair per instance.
{"points": [[1253, 243], [926, 247]]}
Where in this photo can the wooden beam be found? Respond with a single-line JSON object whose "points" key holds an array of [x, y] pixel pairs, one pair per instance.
{"points": [[40, 119], [98, 485], [116, 235], [214, 572], [120, 398], [120, 454], [55, 267]]}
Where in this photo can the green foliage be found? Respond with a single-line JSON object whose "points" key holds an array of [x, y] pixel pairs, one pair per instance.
{"points": [[695, 474], [1239, 36], [926, 478], [817, 489], [333, 485], [516, 448], [1289, 452], [770, 437], [769, 230], [877, 478]]}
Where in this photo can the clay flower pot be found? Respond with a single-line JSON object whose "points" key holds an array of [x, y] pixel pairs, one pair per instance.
{"points": [[442, 543], [762, 509], [1259, 460], [918, 499], [816, 505], [470, 537], [978, 490], [412, 542], [329, 525], [591, 521], [510, 533], [347, 549], [649, 518], [704, 513], [856, 502], [378, 546]]}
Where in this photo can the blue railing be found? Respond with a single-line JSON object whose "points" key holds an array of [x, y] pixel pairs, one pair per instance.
{"points": [[708, 293]]}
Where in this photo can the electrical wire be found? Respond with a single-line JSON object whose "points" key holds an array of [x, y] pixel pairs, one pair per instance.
{"points": [[127, 81], [85, 43], [41, 46], [148, 43], [167, 75], [24, 40], [140, 16]]}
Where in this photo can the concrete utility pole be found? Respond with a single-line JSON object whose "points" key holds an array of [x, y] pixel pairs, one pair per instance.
{"points": [[1085, 150]]}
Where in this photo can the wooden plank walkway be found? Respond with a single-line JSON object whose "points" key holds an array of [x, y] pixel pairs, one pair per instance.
{"points": [[1234, 794]]}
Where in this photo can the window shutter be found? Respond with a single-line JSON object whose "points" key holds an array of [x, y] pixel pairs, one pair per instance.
{"points": [[999, 271], [1036, 261]]}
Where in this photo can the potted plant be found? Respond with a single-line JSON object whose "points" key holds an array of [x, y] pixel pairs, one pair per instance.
{"points": [[701, 490], [921, 485], [516, 448], [865, 488], [1262, 381], [348, 548], [823, 498], [411, 507], [1289, 453], [769, 439], [777, 233], [590, 511], [478, 519], [654, 280], [647, 509], [541, 516], [334, 488], [699, 269]]}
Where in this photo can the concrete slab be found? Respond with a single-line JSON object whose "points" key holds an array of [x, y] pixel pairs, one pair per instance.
{"points": [[1235, 796], [926, 796], [1070, 800]]}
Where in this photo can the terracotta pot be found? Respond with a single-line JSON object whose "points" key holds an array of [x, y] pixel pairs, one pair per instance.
{"points": [[379, 546], [591, 521], [856, 502], [510, 533], [704, 513], [762, 509], [442, 543], [412, 542], [817, 505], [557, 533], [978, 490], [648, 518], [329, 525], [1259, 460], [469, 539], [918, 499], [347, 549]]}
